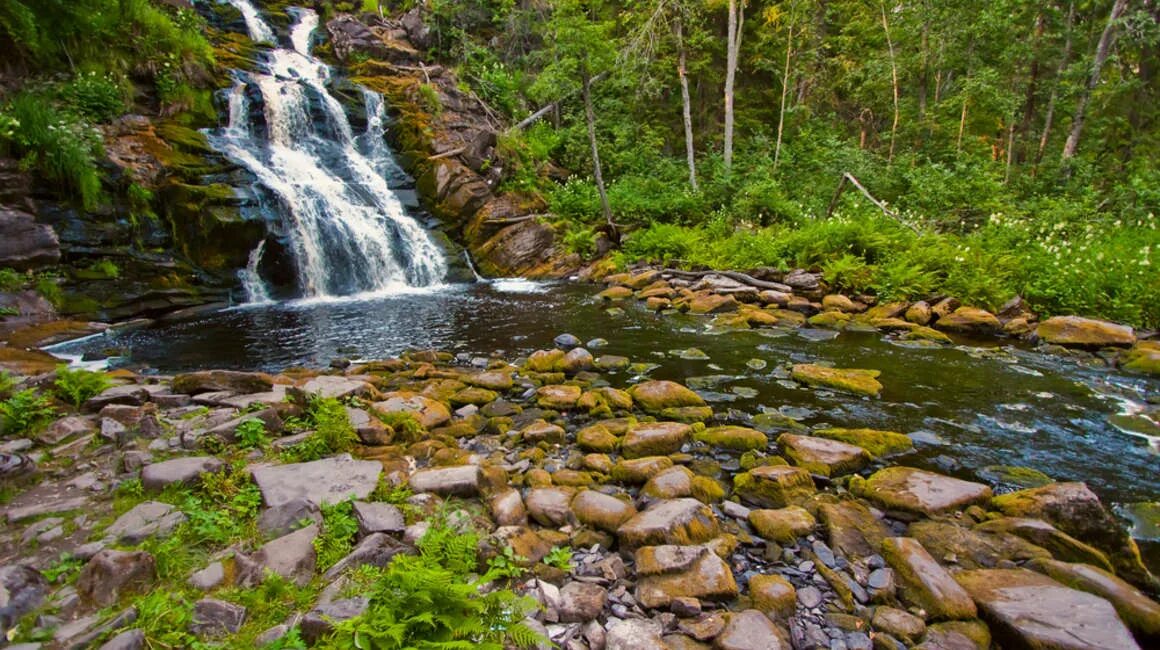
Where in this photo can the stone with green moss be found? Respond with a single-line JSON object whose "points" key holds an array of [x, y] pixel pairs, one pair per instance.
{"points": [[733, 437], [834, 320], [596, 438], [707, 490], [1014, 476], [658, 395], [783, 525], [852, 380], [774, 486], [878, 443], [1144, 358], [823, 456]]}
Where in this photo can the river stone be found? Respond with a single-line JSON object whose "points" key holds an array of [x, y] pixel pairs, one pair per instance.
{"points": [[774, 486], [679, 521], [110, 574], [1061, 545], [596, 437], [186, 471], [507, 508], [549, 506], [973, 549], [558, 397], [712, 303], [823, 456], [655, 439], [215, 618], [877, 443], [494, 380], [577, 360], [636, 471], [337, 387], [852, 380], [1084, 332], [672, 483], [665, 573], [733, 437], [634, 634], [145, 520], [545, 360], [970, 320], [1077, 511], [751, 630], [784, 525], [773, 595], [1027, 610], [231, 381], [290, 556], [1144, 357], [430, 413], [657, 395], [898, 624], [462, 481], [524, 542], [581, 602], [376, 517], [918, 313], [615, 293], [852, 529], [542, 431], [323, 482], [602, 511], [915, 490], [924, 583], [1140, 613]]}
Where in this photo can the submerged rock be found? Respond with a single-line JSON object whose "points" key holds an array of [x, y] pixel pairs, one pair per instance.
{"points": [[852, 380]]}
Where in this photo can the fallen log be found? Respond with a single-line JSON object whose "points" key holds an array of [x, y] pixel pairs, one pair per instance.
{"points": [[732, 275]]}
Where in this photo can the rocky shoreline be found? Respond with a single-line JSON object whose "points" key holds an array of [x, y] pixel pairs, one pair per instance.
{"points": [[687, 529]]}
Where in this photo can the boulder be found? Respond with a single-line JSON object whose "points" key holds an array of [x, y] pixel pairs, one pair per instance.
{"points": [[145, 520], [919, 313], [878, 443], [899, 624], [111, 574], [320, 621], [784, 525], [430, 413], [733, 438], [185, 471], [1028, 610], [541, 431], [602, 511], [774, 486], [596, 437], [581, 602], [712, 303], [851, 380], [463, 481], [507, 508], [665, 573], [974, 549], [822, 455], [127, 640], [672, 483], [336, 387], [1144, 358], [634, 634], [751, 630], [322, 482], [376, 549], [773, 595], [1075, 331], [924, 583], [1138, 611], [376, 517], [1040, 533], [288, 516], [655, 439], [679, 521], [852, 529], [639, 470], [558, 397], [1077, 511], [231, 381], [970, 320], [26, 244], [215, 618], [290, 556], [918, 491], [657, 395], [549, 506]]}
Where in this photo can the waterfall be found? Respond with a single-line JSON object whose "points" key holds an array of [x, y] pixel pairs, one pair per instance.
{"points": [[344, 228]]}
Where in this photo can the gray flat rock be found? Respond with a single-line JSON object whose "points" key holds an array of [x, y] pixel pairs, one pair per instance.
{"points": [[145, 520], [323, 482]]}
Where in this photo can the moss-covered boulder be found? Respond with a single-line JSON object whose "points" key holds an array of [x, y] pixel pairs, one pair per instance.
{"points": [[666, 573], [615, 293], [914, 490], [774, 486], [637, 471], [682, 522], [834, 320], [597, 437], [783, 525], [732, 437], [672, 483], [545, 361], [822, 455], [852, 529], [655, 439], [878, 443], [974, 549], [1061, 545], [851, 380], [1075, 331], [657, 395], [924, 583], [558, 397], [430, 413], [970, 320], [1144, 358], [712, 303], [602, 511]]}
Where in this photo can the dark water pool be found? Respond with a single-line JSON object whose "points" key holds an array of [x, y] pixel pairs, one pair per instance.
{"points": [[967, 406]]}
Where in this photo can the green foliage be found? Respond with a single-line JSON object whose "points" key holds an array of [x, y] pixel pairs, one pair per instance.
{"points": [[252, 434], [430, 96], [7, 384], [25, 411], [580, 240], [559, 557], [429, 601], [165, 618], [388, 492], [506, 564], [222, 510], [332, 424], [64, 569], [76, 386], [11, 279], [406, 426], [95, 97], [338, 530], [60, 147], [48, 286]]}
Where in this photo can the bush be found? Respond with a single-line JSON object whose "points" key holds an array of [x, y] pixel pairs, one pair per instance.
{"points": [[78, 386], [96, 97], [60, 147], [24, 412]]}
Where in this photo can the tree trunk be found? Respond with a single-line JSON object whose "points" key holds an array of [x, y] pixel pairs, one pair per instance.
{"points": [[962, 126], [1049, 117], [893, 81], [686, 110], [590, 118], [784, 92], [1102, 51], [732, 51]]}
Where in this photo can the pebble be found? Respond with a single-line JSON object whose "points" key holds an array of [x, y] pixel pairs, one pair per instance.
{"points": [[809, 597]]}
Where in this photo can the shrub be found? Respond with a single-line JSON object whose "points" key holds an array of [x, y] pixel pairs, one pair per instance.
{"points": [[96, 97], [76, 386], [61, 148], [25, 411]]}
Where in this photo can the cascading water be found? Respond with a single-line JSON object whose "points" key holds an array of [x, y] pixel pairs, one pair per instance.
{"points": [[346, 231]]}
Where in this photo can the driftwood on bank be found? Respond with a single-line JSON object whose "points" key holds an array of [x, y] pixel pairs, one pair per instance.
{"points": [[732, 275], [847, 177]]}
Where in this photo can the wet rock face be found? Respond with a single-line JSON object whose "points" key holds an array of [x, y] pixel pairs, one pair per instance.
{"points": [[26, 244]]}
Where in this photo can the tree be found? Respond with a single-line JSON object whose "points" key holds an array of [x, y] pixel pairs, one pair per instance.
{"points": [[736, 26], [1101, 56]]}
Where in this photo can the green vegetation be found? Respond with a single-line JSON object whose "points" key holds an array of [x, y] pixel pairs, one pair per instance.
{"points": [[332, 434], [1023, 160], [25, 411], [76, 386], [252, 434], [338, 530]]}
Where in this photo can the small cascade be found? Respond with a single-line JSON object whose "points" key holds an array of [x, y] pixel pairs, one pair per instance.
{"points": [[326, 189]]}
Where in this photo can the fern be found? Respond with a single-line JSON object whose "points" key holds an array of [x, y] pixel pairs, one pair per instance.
{"points": [[77, 386], [339, 528]]}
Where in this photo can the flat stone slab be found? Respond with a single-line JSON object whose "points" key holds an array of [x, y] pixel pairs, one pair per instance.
{"points": [[48, 508], [924, 582], [1027, 610], [679, 522], [447, 481], [337, 387], [823, 456], [145, 520], [188, 470], [914, 490], [323, 482], [375, 517]]}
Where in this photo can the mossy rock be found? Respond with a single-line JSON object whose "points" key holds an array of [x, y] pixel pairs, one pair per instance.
{"points": [[1144, 358], [783, 525], [878, 443], [834, 320], [707, 490], [545, 361], [732, 437], [597, 438], [658, 395], [923, 333], [852, 380], [774, 486], [687, 413], [1014, 476]]}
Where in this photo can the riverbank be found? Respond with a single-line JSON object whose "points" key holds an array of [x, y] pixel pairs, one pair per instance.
{"points": [[684, 525]]}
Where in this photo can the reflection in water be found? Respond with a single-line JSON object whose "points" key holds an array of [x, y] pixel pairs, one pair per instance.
{"points": [[966, 407]]}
